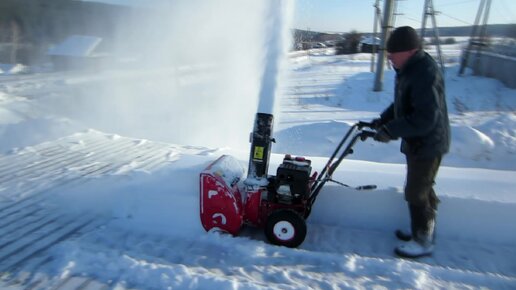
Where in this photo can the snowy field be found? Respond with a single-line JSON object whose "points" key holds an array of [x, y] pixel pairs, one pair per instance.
{"points": [[87, 204]]}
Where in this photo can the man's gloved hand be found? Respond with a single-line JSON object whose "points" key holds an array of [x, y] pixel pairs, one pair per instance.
{"points": [[376, 123], [382, 135]]}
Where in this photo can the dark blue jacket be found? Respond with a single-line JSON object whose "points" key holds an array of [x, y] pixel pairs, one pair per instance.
{"points": [[419, 114]]}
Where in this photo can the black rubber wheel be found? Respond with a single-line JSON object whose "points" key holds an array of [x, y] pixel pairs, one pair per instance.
{"points": [[285, 227]]}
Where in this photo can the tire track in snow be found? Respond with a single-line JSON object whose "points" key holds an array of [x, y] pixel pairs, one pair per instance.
{"points": [[31, 224], [23, 231], [34, 200], [48, 164], [30, 274], [23, 244], [48, 150], [129, 150]]}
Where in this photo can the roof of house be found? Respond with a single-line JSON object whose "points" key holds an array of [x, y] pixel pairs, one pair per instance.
{"points": [[76, 45], [371, 40]]}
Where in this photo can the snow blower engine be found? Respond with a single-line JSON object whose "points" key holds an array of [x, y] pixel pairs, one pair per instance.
{"points": [[279, 204]]}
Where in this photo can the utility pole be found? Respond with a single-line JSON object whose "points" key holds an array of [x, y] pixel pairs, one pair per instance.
{"points": [[428, 10], [377, 19], [386, 26], [484, 4]]}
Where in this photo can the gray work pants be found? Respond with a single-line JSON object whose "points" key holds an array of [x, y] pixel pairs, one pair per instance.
{"points": [[421, 197]]}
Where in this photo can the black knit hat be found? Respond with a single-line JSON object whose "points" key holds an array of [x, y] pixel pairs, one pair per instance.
{"points": [[402, 39]]}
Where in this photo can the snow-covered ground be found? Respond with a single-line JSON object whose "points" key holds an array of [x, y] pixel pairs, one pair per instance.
{"points": [[87, 203]]}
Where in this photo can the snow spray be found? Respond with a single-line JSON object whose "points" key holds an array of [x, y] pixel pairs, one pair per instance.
{"points": [[261, 137], [187, 72], [278, 42]]}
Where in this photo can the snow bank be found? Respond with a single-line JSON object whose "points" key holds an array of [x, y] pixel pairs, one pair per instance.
{"points": [[165, 202], [472, 144], [502, 130], [13, 69], [24, 124], [481, 112]]}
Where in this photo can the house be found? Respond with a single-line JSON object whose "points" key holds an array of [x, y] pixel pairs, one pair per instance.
{"points": [[77, 52], [370, 44]]}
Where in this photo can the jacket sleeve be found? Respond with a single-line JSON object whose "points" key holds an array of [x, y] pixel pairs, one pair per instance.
{"points": [[424, 112], [388, 114]]}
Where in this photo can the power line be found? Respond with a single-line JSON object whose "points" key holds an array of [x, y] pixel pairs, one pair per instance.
{"points": [[455, 18], [457, 3], [508, 11], [411, 18]]}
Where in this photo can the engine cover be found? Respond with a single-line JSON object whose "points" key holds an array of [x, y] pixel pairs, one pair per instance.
{"points": [[293, 178]]}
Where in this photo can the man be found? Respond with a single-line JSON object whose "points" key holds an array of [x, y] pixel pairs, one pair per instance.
{"points": [[418, 116]]}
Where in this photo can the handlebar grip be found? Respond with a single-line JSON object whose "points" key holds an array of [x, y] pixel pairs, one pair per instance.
{"points": [[366, 134], [366, 187], [362, 124]]}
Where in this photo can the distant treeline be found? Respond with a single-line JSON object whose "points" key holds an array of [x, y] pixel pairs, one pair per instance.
{"points": [[494, 30]]}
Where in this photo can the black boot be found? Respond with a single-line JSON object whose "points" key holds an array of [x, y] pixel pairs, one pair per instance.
{"points": [[423, 228], [403, 235], [422, 223]]}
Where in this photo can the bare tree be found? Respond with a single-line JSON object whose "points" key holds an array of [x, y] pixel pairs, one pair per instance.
{"points": [[350, 44]]}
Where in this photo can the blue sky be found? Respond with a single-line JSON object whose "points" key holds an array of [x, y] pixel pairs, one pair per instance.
{"points": [[347, 15]]}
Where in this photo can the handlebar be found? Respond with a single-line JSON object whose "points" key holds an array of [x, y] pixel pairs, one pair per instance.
{"points": [[366, 134], [342, 151], [362, 124]]}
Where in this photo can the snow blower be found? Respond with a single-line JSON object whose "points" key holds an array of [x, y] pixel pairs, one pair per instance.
{"points": [[279, 204]]}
